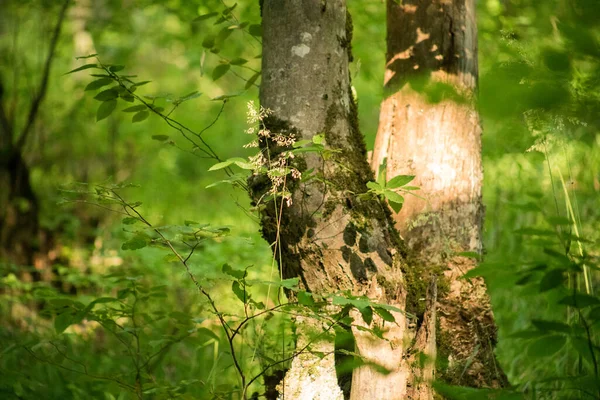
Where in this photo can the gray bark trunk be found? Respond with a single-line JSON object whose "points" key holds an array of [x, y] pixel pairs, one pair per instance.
{"points": [[432, 53], [329, 237]]}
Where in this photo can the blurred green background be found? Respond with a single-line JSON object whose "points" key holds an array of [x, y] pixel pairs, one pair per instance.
{"points": [[539, 99]]}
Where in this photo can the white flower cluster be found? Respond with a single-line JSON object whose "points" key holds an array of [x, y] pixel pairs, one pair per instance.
{"points": [[277, 169]]}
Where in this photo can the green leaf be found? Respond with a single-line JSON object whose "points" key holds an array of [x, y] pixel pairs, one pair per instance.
{"points": [[251, 81], [171, 258], [580, 300], [140, 116], [88, 56], [208, 42], [108, 94], [290, 283], [393, 196], [305, 298], [227, 96], [551, 280], [129, 220], [223, 34], [594, 315], [240, 162], [221, 165], [105, 109], [87, 66], [97, 84], [551, 326], [140, 107], [582, 346], [395, 206], [227, 269], [546, 346], [138, 84], [318, 139], [135, 243], [240, 292], [205, 16], [255, 30], [220, 70], [62, 321], [529, 334], [374, 186], [190, 96], [355, 302], [116, 68], [385, 314], [399, 181], [554, 220], [160, 138], [367, 314], [238, 61]]}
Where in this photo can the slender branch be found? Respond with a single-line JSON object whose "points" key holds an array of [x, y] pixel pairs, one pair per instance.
{"points": [[200, 288], [37, 101]]}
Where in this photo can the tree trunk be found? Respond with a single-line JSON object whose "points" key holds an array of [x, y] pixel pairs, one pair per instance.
{"points": [[429, 128], [19, 227], [329, 237], [22, 242]]}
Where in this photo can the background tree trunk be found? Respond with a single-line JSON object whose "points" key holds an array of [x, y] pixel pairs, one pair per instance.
{"points": [[429, 128], [330, 238], [22, 241]]}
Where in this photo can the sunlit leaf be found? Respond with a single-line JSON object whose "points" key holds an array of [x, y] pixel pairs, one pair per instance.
{"points": [[399, 181]]}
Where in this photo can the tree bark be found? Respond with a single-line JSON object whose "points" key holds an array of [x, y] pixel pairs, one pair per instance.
{"points": [[329, 237], [429, 128]]}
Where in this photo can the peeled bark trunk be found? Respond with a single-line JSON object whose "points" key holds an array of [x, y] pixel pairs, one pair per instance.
{"points": [[329, 237], [429, 128]]}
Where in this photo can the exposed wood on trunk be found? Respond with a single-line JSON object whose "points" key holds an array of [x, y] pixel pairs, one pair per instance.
{"points": [[432, 54], [330, 238]]}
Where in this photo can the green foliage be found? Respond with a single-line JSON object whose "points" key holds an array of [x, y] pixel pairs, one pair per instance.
{"points": [[121, 318]]}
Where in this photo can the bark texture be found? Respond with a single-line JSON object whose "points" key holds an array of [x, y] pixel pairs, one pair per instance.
{"points": [[328, 237], [429, 128]]}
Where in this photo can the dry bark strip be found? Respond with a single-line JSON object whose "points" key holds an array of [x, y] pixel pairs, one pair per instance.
{"points": [[432, 55]]}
